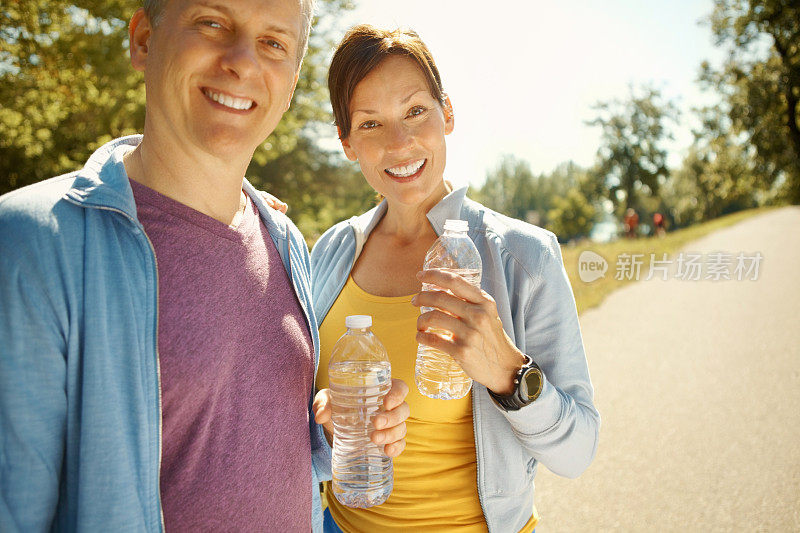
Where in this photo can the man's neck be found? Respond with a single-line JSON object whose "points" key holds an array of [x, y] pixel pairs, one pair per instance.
{"points": [[199, 181]]}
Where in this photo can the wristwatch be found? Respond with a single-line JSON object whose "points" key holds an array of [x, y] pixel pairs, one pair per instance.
{"points": [[528, 382]]}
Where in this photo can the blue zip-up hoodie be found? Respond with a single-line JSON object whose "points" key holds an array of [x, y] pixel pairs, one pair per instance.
{"points": [[80, 402], [523, 271]]}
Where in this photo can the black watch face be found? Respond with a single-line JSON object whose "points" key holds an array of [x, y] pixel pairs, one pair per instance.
{"points": [[531, 384]]}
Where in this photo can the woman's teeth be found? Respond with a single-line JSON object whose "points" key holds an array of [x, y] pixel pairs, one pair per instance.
{"points": [[229, 101], [405, 170]]}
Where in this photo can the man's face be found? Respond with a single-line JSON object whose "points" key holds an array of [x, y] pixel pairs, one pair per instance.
{"points": [[220, 74]]}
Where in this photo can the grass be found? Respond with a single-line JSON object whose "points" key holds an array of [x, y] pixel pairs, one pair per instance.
{"points": [[588, 295]]}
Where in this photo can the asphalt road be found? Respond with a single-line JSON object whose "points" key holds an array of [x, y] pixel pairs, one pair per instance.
{"points": [[698, 386]]}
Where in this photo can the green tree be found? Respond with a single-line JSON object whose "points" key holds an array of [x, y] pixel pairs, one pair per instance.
{"points": [[66, 85], [631, 158], [510, 189], [545, 200], [572, 215], [760, 81]]}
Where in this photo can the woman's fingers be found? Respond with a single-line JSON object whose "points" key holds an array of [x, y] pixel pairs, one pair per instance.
{"points": [[323, 414], [390, 424], [440, 320], [396, 395], [322, 406], [394, 449], [452, 282]]}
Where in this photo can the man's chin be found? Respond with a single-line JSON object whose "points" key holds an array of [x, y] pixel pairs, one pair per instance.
{"points": [[229, 143]]}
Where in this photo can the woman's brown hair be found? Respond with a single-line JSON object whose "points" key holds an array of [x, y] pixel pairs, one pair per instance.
{"points": [[361, 50]]}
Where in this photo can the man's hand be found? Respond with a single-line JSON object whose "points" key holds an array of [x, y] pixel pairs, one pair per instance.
{"points": [[389, 423], [273, 202]]}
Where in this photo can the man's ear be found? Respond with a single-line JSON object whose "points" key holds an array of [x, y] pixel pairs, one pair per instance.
{"points": [[139, 32], [449, 116]]}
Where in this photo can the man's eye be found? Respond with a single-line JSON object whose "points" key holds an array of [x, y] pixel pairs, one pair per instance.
{"points": [[416, 111], [273, 44], [211, 24]]}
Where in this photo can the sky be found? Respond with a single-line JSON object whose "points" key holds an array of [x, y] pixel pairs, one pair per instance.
{"points": [[523, 75]]}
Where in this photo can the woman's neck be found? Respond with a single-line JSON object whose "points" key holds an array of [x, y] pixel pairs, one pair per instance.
{"points": [[410, 222]]}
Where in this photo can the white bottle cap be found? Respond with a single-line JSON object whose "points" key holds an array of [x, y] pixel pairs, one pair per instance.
{"points": [[358, 321], [453, 224]]}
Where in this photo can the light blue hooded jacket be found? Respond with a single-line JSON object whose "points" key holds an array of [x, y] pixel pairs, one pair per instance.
{"points": [[523, 271], [80, 406]]}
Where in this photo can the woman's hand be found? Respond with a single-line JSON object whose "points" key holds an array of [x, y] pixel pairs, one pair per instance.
{"points": [[479, 344], [273, 202], [389, 423]]}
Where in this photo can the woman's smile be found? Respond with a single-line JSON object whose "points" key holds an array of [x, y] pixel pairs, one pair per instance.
{"points": [[406, 172]]}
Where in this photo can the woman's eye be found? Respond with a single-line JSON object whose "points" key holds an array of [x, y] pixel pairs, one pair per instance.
{"points": [[211, 24], [416, 111], [368, 125]]}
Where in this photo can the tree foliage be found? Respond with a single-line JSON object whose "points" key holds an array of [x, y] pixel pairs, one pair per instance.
{"points": [[564, 201], [572, 215], [760, 81], [67, 87], [632, 158]]}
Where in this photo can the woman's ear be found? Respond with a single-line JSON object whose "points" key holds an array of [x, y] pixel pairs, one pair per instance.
{"points": [[449, 117], [139, 31], [348, 150]]}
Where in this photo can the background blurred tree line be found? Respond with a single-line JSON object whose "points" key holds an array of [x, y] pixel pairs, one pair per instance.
{"points": [[66, 87], [746, 151]]}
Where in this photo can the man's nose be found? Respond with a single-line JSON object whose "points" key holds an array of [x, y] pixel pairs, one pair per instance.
{"points": [[241, 58]]}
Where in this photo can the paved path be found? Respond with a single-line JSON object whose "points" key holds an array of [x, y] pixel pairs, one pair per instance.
{"points": [[698, 384]]}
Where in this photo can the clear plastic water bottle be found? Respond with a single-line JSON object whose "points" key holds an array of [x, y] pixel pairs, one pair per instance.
{"points": [[436, 374], [360, 375]]}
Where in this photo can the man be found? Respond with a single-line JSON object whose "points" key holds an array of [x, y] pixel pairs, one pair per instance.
{"points": [[157, 341]]}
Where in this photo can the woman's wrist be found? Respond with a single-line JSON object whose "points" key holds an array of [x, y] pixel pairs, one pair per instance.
{"points": [[506, 385]]}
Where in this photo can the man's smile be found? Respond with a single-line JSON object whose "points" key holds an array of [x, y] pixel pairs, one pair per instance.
{"points": [[229, 101]]}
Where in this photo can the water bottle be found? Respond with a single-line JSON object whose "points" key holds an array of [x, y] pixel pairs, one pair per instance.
{"points": [[360, 375], [436, 374]]}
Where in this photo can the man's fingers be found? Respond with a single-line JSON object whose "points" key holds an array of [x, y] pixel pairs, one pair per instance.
{"points": [[274, 202]]}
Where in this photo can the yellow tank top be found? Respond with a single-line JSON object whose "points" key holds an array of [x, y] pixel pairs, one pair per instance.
{"points": [[435, 478]]}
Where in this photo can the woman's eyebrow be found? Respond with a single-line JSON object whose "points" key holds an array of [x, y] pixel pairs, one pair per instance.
{"points": [[403, 101]]}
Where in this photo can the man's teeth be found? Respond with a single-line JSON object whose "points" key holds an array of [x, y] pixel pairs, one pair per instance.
{"points": [[406, 170], [230, 101]]}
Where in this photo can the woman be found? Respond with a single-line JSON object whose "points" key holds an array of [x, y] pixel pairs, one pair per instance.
{"points": [[393, 116]]}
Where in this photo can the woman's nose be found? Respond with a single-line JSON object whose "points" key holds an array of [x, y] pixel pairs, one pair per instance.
{"points": [[400, 138]]}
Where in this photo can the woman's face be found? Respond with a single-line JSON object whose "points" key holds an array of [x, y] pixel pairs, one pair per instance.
{"points": [[397, 133]]}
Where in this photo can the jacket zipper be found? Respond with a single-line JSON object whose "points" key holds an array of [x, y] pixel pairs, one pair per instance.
{"points": [[477, 457], [158, 357]]}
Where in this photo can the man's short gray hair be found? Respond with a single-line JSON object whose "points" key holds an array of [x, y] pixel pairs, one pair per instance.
{"points": [[155, 10]]}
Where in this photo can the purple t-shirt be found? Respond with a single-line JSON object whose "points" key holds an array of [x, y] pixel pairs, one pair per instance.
{"points": [[236, 374]]}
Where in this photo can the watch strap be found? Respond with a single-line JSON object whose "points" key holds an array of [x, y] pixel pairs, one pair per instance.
{"points": [[514, 401]]}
